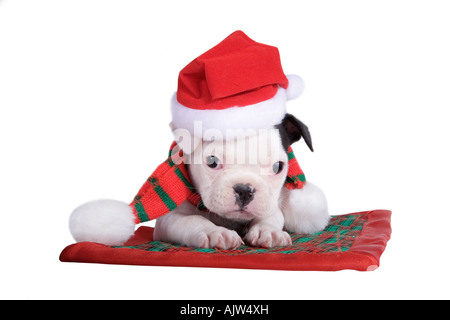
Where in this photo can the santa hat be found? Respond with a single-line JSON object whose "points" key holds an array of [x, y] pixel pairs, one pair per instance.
{"points": [[237, 85]]}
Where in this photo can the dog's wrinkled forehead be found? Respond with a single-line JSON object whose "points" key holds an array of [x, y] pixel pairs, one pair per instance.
{"points": [[261, 148], [288, 131]]}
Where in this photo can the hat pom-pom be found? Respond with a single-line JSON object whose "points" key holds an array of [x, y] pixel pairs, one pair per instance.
{"points": [[109, 222], [295, 87]]}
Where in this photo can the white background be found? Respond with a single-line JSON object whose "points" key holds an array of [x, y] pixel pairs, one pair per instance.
{"points": [[84, 98]]}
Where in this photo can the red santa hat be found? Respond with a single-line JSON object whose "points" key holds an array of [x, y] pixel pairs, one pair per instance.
{"points": [[239, 84]]}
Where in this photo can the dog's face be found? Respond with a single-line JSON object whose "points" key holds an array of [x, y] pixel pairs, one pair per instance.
{"points": [[240, 189], [241, 179]]}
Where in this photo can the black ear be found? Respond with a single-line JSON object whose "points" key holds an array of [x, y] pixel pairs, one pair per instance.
{"points": [[292, 130]]}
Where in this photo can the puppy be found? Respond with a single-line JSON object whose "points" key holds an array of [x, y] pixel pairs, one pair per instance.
{"points": [[246, 199], [238, 84]]}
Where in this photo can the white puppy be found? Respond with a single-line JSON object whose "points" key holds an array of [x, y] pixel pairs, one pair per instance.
{"points": [[241, 182], [243, 189]]}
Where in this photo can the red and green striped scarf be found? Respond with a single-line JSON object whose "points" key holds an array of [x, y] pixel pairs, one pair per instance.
{"points": [[169, 186]]}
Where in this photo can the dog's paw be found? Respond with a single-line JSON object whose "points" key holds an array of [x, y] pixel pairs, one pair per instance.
{"points": [[267, 237], [218, 238]]}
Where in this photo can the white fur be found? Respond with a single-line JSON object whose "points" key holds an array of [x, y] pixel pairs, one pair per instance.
{"points": [[109, 222], [305, 210], [216, 186], [263, 115], [268, 232], [187, 226]]}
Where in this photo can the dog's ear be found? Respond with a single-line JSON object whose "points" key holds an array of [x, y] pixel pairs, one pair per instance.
{"points": [[292, 130]]}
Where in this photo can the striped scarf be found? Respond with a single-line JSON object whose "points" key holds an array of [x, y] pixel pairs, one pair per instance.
{"points": [[169, 186]]}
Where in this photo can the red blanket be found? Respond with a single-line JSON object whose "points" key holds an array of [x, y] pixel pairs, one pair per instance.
{"points": [[351, 241]]}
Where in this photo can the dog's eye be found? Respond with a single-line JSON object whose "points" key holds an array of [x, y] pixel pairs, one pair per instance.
{"points": [[213, 162], [277, 167]]}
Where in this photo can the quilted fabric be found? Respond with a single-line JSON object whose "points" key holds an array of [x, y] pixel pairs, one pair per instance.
{"points": [[337, 237], [352, 241]]}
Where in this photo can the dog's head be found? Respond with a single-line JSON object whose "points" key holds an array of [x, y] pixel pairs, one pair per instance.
{"points": [[241, 179]]}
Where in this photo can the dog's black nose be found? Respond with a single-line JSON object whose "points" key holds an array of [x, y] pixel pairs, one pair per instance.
{"points": [[244, 194]]}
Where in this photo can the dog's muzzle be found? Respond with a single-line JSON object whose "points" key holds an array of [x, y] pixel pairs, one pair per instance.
{"points": [[244, 194]]}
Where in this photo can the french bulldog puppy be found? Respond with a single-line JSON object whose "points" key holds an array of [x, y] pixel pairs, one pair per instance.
{"points": [[246, 199]]}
